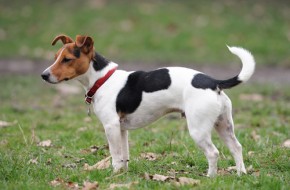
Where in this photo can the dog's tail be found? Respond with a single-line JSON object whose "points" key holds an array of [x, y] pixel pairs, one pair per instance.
{"points": [[246, 72]]}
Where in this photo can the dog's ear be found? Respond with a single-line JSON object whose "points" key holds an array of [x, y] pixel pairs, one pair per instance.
{"points": [[65, 39], [86, 43]]}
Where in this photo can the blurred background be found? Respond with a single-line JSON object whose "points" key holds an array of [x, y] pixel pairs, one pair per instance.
{"points": [[143, 33]]}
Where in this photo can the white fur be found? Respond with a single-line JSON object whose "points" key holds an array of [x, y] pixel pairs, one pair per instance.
{"points": [[247, 60], [205, 109], [201, 107]]}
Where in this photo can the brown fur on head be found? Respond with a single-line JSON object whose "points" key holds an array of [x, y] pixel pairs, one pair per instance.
{"points": [[73, 58]]}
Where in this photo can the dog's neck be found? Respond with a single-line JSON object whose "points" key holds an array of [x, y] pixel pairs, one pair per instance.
{"points": [[99, 67]]}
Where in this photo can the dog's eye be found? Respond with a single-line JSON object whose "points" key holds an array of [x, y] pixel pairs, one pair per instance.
{"points": [[65, 60]]}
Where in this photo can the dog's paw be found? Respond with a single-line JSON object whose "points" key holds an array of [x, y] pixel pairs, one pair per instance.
{"points": [[120, 171], [211, 173], [120, 167], [241, 170]]}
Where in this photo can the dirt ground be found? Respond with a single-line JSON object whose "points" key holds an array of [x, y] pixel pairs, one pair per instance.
{"points": [[273, 75]]}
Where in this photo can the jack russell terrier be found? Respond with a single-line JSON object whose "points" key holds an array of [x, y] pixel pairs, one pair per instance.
{"points": [[129, 100]]}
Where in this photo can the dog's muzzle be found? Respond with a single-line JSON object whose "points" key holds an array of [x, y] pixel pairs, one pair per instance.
{"points": [[48, 77], [45, 76]]}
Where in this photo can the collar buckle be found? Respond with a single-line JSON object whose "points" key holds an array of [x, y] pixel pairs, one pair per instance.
{"points": [[88, 99]]}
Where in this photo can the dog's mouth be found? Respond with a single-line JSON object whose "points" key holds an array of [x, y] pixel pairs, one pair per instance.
{"points": [[51, 82]]}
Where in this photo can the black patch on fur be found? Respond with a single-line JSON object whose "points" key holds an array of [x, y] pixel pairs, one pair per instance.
{"points": [[77, 52], [99, 62], [206, 82], [224, 84], [130, 97]]}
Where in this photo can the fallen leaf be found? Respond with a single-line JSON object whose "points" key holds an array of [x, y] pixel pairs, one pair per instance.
{"points": [[149, 156], [286, 143], [277, 134], [68, 156], [223, 172], [256, 173], [94, 148], [79, 160], [252, 97], [33, 161], [46, 143], [4, 124], [83, 129], [3, 142], [157, 177], [147, 176], [90, 185], [250, 168], [127, 185], [87, 119], [255, 136], [231, 168], [181, 172], [70, 165], [172, 173], [85, 151], [227, 171], [48, 162], [187, 181], [250, 153], [177, 181], [72, 185], [103, 164], [253, 171], [56, 182]]}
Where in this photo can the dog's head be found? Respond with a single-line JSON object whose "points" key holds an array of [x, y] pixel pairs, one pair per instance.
{"points": [[71, 60]]}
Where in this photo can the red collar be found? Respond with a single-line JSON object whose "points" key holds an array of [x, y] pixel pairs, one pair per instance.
{"points": [[89, 95]]}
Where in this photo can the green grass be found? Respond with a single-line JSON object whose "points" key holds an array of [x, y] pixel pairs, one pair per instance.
{"points": [[144, 32], [141, 31], [40, 116]]}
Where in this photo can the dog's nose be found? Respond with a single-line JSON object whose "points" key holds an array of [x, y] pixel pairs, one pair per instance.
{"points": [[45, 76]]}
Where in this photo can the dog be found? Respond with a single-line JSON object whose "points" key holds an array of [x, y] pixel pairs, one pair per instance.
{"points": [[129, 100]]}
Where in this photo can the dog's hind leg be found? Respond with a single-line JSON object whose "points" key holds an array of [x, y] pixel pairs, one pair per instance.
{"points": [[225, 128], [203, 140], [200, 121]]}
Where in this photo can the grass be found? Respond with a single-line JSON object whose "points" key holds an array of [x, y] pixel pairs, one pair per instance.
{"points": [[141, 31], [43, 113]]}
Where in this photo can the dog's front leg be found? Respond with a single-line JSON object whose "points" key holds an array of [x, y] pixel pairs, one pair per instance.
{"points": [[125, 148], [113, 133]]}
